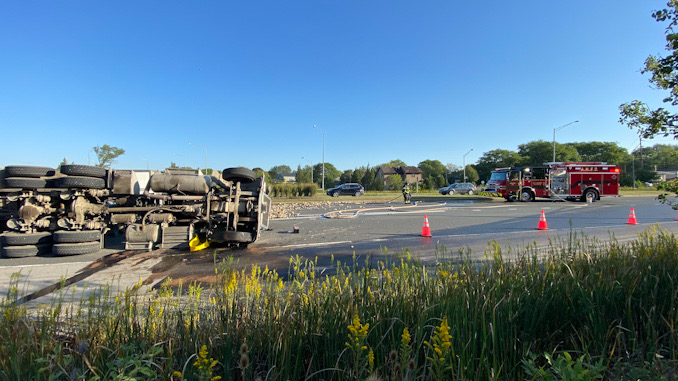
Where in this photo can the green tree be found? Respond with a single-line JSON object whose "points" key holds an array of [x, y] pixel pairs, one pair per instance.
{"points": [[664, 76], [304, 175], [357, 175], [395, 163], [608, 152], [279, 170], [394, 182], [106, 154], [368, 180], [471, 174], [431, 169], [63, 162], [660, 156], [346, 176], [260, 172], [331, 174], [498, 158], [539, 152]]}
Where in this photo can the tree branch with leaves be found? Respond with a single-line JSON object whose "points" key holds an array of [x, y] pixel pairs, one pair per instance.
{"points": [[106, 155]]}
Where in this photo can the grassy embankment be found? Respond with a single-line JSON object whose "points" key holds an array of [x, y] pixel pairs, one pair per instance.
{"points": [[582, 307]]}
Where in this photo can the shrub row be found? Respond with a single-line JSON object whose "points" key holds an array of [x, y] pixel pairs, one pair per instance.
{"points": [[292, 190]]}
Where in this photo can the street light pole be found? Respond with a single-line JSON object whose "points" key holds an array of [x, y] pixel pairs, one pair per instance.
{"points": [[554, 137], [323, 134], [205, 147], [311, 165], [464, 162]]}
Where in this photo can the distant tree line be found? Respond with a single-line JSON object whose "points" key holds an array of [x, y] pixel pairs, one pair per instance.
{"points": [[641, 163]]}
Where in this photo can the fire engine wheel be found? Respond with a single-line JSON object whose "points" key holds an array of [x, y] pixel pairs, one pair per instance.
{"points": [[243, 175], [76, 236], [20, 239], [25, 182], [526, 195], [80, 182], [589, 196], [83, 170], [27, 171], [62, 249], [26, 250]]}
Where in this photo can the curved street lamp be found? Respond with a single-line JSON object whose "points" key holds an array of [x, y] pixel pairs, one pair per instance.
{"points": [[554, 137], [464, 163]]}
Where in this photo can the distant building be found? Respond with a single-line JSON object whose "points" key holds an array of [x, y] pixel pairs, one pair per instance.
{"points": [[410, 174], [287, 177], [667, 174]]}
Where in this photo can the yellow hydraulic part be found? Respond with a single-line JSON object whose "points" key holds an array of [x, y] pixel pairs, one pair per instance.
{"points": [[196, 245]]}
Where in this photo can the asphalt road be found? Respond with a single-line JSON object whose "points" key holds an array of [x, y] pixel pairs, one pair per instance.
{"points": [[458, 226], [366, 233]]}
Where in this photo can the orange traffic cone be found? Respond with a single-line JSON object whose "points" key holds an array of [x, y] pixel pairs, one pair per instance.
{"points": [[542, 222], [426, 230], [632, 218]]}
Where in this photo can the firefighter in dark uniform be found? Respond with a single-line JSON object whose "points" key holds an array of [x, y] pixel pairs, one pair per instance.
{"points": [[406, 193]]}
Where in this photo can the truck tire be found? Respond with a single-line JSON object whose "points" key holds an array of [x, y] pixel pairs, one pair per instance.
{"points": [[22, 239], [243, 175], [25, 250], [28, 171], [80, 182], [76, 236], [25, 182], [83, 170], [63, 249], [526, 195], [589, 193]]}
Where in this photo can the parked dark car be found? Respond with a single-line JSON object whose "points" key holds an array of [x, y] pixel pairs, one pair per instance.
{"points": [[446, 190], [463, 188], [459, 188], [348, 189]]}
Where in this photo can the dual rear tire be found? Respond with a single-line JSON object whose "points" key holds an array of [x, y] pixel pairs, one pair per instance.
{"points": [[22, 245], [61, 243]]}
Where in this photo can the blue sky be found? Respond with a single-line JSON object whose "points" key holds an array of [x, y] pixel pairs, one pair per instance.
{"points": [[384, 80]]}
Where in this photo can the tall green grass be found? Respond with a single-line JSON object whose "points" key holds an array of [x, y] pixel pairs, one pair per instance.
{"points": [[610, 306]]}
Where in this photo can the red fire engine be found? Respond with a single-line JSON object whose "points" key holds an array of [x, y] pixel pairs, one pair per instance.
{"points": [[584, 181]]}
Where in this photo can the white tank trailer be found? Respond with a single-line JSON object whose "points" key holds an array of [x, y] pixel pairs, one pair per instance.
{"points": [[69, 211]]}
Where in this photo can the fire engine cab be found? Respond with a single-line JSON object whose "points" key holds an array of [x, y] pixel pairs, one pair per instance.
{"points": [[586, 181]]}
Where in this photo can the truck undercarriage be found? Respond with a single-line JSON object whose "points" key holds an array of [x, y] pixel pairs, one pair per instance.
{"points": [[69, 211]]}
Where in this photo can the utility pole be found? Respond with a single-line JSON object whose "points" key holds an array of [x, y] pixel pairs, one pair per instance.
{"points": [[323, 134], [641, 151]]}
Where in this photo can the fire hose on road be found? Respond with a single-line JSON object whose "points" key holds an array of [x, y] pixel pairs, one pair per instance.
{"points": [[355, 212]]}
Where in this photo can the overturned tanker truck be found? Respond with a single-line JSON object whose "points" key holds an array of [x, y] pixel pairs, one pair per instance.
{"points": [[69, 211]]}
